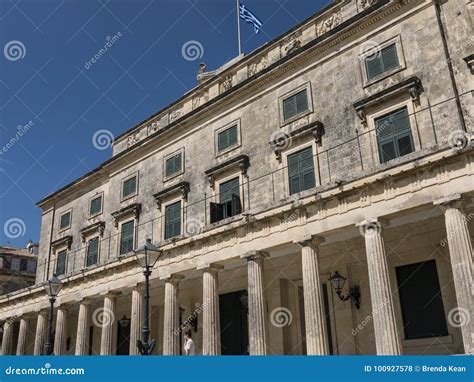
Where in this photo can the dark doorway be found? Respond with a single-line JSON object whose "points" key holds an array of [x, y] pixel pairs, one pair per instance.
{"points": [[234, 323], [421, 301], [123, 336]]}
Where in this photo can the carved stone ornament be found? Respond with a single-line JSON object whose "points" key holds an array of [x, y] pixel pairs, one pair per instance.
{"points": [[153, 127], [367, 3], [291, 43], [200, 99], [257, 66], [228, 82], [175, 114], [332, 21], [132, 139]]}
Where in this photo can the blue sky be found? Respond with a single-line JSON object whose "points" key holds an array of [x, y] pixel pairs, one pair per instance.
{"points": [[53, 99]]}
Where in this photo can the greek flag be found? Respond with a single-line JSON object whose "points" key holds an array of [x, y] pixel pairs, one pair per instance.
{"points": [[250, 18]]}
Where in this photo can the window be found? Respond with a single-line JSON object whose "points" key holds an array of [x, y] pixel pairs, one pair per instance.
{"points": [[15, 264], [65, 220], [381, 61], [421, 301], [92, 252], [129, 187], [173, 220], [23, 265], [126, 237], [31, 267], [173, 164], [295, 104], [96, 206], [227, 138], [301, 171], [230, 205], [61, 263], [394, 135]]}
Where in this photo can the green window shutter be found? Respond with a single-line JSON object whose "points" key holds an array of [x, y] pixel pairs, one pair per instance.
{"points": [[295, 104], [301, 171], [301, 102], [173, 220], [92, 251], [129, 187], [173, 165], [373, 64], [65, 220], [96, 206], [61, 263], [227, 138], [222, 141], [233, 136], [127, 237], [389, 57]]}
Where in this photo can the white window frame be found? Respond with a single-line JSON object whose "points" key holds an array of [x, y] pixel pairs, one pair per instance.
{"points": [[375, 46], [178, 173], [223, 128], [61, 214], [306, 86], [399, 103], [122, 198], [95, 196]]}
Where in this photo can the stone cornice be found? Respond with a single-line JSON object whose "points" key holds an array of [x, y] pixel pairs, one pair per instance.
{"points": [[133, 209], [98, 227], [182, 187], [63, 241], [242, 161]]}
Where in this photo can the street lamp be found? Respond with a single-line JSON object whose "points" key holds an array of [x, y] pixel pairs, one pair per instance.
{"points": [[337, 281], [52, 287], [147, 256]]}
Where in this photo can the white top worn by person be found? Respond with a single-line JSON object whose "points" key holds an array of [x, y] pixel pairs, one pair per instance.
{"points": [[188, 344]]}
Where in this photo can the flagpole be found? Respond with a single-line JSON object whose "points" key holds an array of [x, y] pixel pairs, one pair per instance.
{"points": [[238, 26]]}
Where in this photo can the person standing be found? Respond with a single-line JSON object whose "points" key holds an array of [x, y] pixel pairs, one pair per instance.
{"points": [[188, 344]]}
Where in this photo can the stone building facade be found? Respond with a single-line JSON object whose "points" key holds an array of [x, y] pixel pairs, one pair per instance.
{"points": [[343, 147]]}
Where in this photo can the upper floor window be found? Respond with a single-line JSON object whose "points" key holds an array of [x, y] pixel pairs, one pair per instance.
{"points": [[227, 138], [381, 61], [92, 252], [65, 220], [129, 187], [31, 267], [394, 136], [229, 197], [95, 207], [127, 237], [174, 164], [295, 104], [15, 264], [421, 301], [301, 171], [61, 263], [173, 220]]}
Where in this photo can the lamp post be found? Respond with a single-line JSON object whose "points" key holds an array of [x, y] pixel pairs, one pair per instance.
{"points": [[52, 287], [147, 256]]}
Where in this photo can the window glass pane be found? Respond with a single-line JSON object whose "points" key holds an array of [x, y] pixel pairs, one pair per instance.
{"points": [[92, 251], [232, 136], [61, 263], [173, 165], [31, 267], [373, 64], [173, 220], [295, 104], [15, 264], [227, 138], [222, 141], [96, 206], [421, 301], [387, 151], [400, 121], [126, 237], [405, 145], [129, 187], [229, 188], [389, 57], [65, 220]]}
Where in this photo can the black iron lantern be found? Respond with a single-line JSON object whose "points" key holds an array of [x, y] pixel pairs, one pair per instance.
{"points": [[337, 281], [52, 287]]}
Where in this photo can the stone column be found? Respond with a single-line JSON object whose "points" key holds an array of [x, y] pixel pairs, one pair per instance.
{"points": [[461, 255], [211, 332], [107, 321], [136, 320], [257, 321], [61, 331], [171, 332], [387, 341], [83, 324], [40, 335], [7, 342], [22, 337], [315, 323]]}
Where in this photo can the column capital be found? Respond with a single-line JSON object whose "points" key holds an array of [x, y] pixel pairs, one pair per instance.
{"points": [[171, 278], [111, 294], [255, 255], [309, 240], [210, 267], [450, 201], [372, 225]]}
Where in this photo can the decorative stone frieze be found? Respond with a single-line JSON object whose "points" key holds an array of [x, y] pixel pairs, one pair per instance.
{"points": [[329, 23], [182, 187], [61, 242], [242, 162], [133, 209], [96, 228]]}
